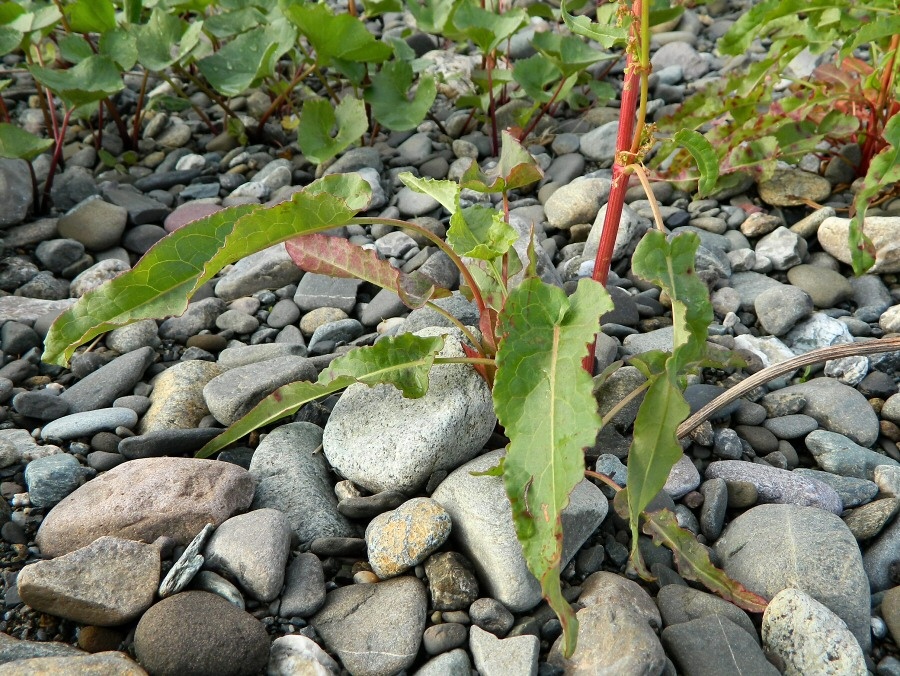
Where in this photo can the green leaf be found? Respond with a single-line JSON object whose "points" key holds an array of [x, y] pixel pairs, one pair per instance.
{"points": [[231, 23], [570, 54], [516, 169], [537, 76], [121, 46], [90, 16], [155, 39], [543, 399], [884, 170], [336, 37], [402, 361], [92, 80], [319, 117], [480, 232], [485, 28], [247, 58], [18, 144], [165, 278], [74, 48], [692, 561], [336, 257], [607, 34], [445, 192], [375, 8], [431, 16], [10, 39], [705, 157], [388, 97]]}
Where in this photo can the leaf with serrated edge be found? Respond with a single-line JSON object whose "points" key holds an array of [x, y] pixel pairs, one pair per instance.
{"points": [[543, 399], [165, 278], [692, 560], [402, 361]]}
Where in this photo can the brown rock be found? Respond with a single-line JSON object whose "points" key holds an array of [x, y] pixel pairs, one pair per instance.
{"points": [[101, 664], [109, 582], [145, 499], [177, 397], [96, 639]]}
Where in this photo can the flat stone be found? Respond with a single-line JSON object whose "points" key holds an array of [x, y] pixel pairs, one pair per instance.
{"points": [[749, 285], [779, 486], [483, 529], [837, 454], [852, 491], [108, 663], [577, 202], [103, 386], [794, 187], [144, 499], [825, 287], [884, 231], [774, 547], [809, 637], [97, 224], [19, 309], [680, 604], [713, 645], [868, 520], [304, 587], [167, 442], [252, 549], [88, 423], [232, 642], [498, 657], [880, 557], [838, 408], [200, 315], [12, 649], [271, 268], [318, 291], [294, 477], [375, 629]]}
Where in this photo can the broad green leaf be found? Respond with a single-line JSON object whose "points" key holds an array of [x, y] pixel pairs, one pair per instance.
{"points": [[487, 29], [90, 16], [165, 278], [388, 97], [445, 192], [431, 16], [884, 170], [245, 59], [156, 37], [543, 399], [18, 144], [402, 361], [317, 120], [480, 232], [570, 54], [37, 18], [658, 16], [516, 169], [607, 34], [336, 37], [231, 23], [654, 450], [121, 46], [74, 48], [10, 39], [336, 257], [537, 76], [705, 157], [692, 560], [884, 27], [92, 80], [132, 10], [375, 8]]}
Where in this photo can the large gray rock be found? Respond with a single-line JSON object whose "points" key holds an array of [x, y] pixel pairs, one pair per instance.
{"points": [[144, 499], [375, 629], [106, 384], [483, 528], [838, 408], [109, 582], [270, 268], [293, 477], [774, 547], [880, 557], [884, 231], [714, 645], [778, 485], [577, 202], [382, 441], [835, 453], [15, 191]]}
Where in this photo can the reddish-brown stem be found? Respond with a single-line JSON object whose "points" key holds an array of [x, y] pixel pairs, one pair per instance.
{"points": [[118, 121], [879, 114], [139, 110], [54, 161], [543, 111], [4, 110], [299, 76], [602, 477], [492, 105]]}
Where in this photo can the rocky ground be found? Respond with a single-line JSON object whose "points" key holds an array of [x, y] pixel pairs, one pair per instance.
{"points": [[354, 537]]}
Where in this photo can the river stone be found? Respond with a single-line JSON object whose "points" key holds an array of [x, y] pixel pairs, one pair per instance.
{"points": [[107, 663], [498, 657], [145, 499], [109, 582], [809, 637], [12, 649], [611, 641], [375, 629], [106, 384], [483, 529], [836, 453], [884, 231], [773, 547], [794, 187], [605, 588], [838, 408], [19, 309], [881, 556], [177, 397], [200, 634], [774, 485], [297, 655], [382, 441], [577, 202], [680, 604], [252, 549], [234, 393], [714, 645], [94, 222], [404, 537], [294, 477]]}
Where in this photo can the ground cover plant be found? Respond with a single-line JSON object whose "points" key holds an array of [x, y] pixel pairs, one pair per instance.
{"points": [[532, 339]]}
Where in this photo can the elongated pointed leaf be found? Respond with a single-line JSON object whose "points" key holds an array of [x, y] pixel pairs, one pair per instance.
{"points": [[18, 144], [607, 34], [445, 192], [402, 361], [319, 117], [337, 257], [543, 399], [692, 560], [704, 155], [163, 281], [388, 97]]}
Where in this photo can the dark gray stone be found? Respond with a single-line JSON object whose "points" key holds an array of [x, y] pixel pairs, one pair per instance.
{"points": [[51, 478], [167, 442], [315, 291], [109, 382], [679, 604], [778, 485], [714, 645], [853, 491]]}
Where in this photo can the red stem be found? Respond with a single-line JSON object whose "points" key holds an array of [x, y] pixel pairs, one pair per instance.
{"points": [[57, 154]]}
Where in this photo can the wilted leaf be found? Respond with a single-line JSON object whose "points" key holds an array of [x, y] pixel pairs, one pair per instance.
{"points": [[165, 278], [543, 399], [402, 361], [317, 120]]}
